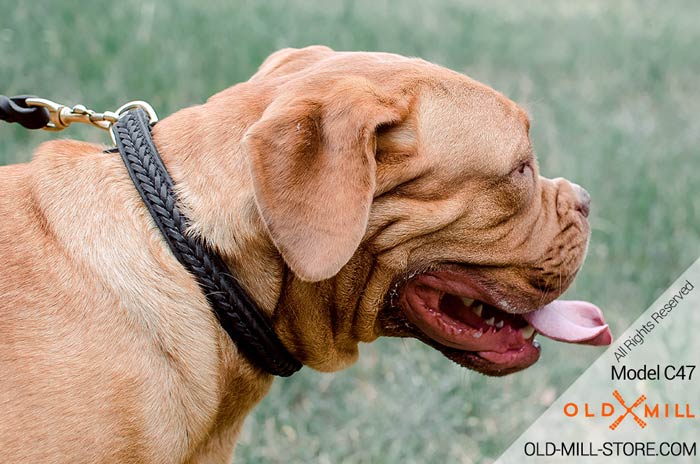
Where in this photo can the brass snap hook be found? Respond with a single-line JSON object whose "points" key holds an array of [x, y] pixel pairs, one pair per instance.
{"points": [[62, 116]]}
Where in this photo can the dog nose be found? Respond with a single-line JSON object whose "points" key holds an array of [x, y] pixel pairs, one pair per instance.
{"points": [[583, 205]]}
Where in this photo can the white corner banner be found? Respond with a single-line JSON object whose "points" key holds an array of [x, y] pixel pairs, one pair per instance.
{"points": [[639, 402]]}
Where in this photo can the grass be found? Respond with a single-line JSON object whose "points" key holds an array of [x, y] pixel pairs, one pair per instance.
{"points": [[612, 90]]}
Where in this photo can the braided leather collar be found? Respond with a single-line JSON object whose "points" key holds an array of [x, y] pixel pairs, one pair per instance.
{"points": [[237, 313]]}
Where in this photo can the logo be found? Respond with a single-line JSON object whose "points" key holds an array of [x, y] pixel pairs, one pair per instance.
{"points": [[628, 410], [641, 410]]}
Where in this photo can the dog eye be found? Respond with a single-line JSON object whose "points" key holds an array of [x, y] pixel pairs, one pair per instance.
{"points": [[522, 168]]}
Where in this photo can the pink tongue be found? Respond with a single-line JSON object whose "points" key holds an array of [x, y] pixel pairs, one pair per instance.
{"points": [[571, 321]]}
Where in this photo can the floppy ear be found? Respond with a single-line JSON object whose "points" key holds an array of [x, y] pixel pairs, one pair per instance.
{"points": [[312, 161]]}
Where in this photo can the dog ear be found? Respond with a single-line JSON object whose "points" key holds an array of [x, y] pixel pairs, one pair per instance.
{"points": [[290, 60], [312, 158]]}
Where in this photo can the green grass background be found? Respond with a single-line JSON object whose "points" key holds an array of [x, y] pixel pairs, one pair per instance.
{"points": [[612, 90]]}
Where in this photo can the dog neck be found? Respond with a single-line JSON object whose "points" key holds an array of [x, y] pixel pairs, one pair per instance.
{"points": [[210, 170], [134, 290], [214, 190]]}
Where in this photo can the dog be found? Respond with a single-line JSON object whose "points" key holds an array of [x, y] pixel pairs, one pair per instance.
{"points": [[354, 195]]}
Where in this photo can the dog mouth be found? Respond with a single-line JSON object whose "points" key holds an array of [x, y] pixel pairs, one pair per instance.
{"points": [[476, 328]]}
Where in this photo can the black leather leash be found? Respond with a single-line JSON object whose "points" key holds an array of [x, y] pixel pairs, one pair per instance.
{"points": [[247, 326], [15, 109], [237, 313]]}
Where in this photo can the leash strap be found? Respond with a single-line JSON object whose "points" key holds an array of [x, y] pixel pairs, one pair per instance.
{"points": [[15, 109], [237, 313]]}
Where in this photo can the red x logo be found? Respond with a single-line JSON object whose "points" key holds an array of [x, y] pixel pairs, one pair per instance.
{"points": [[628, 410]]}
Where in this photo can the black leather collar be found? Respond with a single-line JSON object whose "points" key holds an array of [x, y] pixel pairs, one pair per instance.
{"points": [[247, 326]]}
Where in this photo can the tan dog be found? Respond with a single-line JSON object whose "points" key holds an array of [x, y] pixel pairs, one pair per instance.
{"points": [[354, 195]]}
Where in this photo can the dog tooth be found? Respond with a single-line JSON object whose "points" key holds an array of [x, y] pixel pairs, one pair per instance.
{"points": [[477, 334], [527, 331], [477, 309], [499, 324], [535, 343], [490, 321], [467, 301]]}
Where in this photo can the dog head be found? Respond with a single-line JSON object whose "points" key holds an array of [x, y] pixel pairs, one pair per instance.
{"points": [[406, 200]]}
